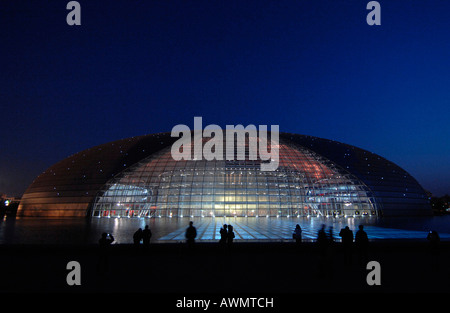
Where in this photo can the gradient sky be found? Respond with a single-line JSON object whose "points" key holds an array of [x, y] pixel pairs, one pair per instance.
{"points": [[312, 67]]}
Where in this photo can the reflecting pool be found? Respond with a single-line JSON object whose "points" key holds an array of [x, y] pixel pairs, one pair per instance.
{"points": [[88, 231]]}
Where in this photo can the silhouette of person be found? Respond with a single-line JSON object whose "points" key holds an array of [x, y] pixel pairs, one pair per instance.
{"points": [[297, 235], [433, 239], [330, 235], [146, 235], [105, 241], [322, 240], [223, 234], [347, 240], [230, 235], [191, 234], [361, 242], [323, 244], [137, 237]]}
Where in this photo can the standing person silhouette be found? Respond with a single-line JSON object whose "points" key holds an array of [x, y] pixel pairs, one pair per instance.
{"points": [[433, 240], [322, 240], [347, 241], [146, 235], [323, 244], [297, 235], [330, 235], [223, 235], [191, 234], [361, 242], [230, 235], [105, 241]]}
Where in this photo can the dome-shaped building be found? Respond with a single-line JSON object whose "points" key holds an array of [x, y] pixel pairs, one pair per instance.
{"points": [[139, 177]]}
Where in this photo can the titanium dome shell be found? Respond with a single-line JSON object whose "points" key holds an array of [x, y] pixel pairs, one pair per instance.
{"points": [[138, 177]]}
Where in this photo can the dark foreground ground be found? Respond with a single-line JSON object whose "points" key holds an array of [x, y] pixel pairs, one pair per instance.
{"points": [[167, 272]]}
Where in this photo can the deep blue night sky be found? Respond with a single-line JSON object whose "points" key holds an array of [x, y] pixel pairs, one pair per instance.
{"points": [[312, 67]]}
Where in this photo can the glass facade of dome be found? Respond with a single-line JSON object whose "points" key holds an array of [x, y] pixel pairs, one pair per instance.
{"points": [[304, 184]]}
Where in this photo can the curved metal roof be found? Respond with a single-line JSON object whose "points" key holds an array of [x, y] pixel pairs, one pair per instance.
{"points": [[69, 187]]}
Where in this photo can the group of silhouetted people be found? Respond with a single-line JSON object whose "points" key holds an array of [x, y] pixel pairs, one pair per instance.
{"points": [[360, 241], [325, 243], [226, 235], [143, 235]]}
